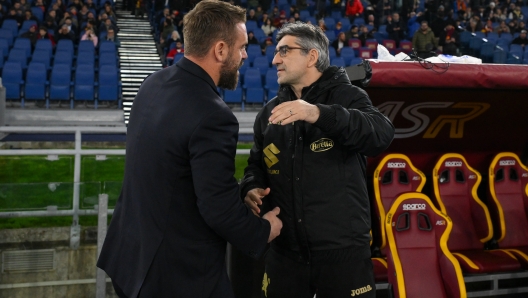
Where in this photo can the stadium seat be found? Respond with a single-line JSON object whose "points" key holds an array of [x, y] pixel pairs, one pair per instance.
{"points": [[345, 22], [347, 54], [7, 34], [474, 46], [107, 58], [107, 47], [338, 61], [253, 86], [332, 53], [371, 44], [262, 64], [64, 45], [233, 96], [271, 85], [63, 57], [359, 21], [12, 79], [44, 44], [260, 35], [394, 175], [406, 46], [330, 24], [330, 34], [355, 44], [11, 24], [42, 56], [390, 45], [38, 13], [84, 85], [304, 14], [253, 51], [85, 59], [508, 181], [4, 47], [270, 53], [366, 53], [36, 82], [336, 15], [86, 47], [109, 85], [465, 37], [486, 52], [24, 44], [19, 56], [60, 82], [500, 56], [251, 25], [455, 188], [419, 263], [177, 58]]}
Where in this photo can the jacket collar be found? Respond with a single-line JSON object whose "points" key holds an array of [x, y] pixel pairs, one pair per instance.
{"points": [[196, 70]]}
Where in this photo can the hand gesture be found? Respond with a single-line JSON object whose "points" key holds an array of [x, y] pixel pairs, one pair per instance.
{"points": [[254, 198], [275, 223]]}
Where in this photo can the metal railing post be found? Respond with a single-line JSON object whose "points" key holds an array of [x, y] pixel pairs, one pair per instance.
{"points": [[102, 219], [75, 233]]}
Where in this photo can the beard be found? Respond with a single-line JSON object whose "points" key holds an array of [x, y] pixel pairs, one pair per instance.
{"points": [[229, 74]]}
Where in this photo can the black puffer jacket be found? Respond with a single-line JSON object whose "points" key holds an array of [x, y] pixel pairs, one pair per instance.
{"points": [[316, 172]]}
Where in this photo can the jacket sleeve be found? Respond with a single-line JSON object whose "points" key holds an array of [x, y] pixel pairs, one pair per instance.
{"points": [[212, 149], [254, 175], [359, 127]]}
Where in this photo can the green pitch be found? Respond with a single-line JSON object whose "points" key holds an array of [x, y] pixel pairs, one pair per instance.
{"points": [[37, 182]]}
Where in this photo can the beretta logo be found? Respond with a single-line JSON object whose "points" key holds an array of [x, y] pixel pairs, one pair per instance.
{"points": [[322, 145]]}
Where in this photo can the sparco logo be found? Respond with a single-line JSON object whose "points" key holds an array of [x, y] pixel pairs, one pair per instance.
{"points": [[413, 206], [396, 165], [360, 291], [453, 163], [322, 145], [507, 162]]}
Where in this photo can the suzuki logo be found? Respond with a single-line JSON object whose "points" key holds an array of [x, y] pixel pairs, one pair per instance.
{"points": [[270, 151]]}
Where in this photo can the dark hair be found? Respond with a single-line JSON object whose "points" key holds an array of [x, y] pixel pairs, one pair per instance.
{"points": [[308, 37], [209, 22]]}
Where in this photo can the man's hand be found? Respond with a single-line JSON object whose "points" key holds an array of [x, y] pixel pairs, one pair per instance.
{"points": [[292, 111], [254, 198], [275, 223]]}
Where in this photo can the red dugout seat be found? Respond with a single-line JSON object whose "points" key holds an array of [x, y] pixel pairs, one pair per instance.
{"points": [[509, 192], [420, 264], [455, 188], [394, 175]]}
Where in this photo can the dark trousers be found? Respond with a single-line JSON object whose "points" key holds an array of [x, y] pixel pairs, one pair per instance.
{"points": [[286, 278]]}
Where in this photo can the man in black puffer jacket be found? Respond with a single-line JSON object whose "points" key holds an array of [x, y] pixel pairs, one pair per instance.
{"points": [[309, 158]]}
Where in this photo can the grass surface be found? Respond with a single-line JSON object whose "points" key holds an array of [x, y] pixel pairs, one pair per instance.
{"points": [[36, 182]]}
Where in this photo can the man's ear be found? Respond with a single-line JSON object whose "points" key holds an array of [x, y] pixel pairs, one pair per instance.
{"points": [[314, 56], [221, 51]]}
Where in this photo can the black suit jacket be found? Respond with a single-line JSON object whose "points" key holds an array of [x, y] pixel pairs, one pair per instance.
{"points": [[179, 202]]}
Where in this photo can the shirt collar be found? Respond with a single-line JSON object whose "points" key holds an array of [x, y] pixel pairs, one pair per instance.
{"points": [[196, 70]]}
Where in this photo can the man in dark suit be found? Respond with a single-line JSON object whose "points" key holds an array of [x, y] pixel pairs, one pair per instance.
{"points": [[180, 202]]}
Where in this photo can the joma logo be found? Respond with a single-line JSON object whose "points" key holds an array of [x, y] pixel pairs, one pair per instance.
{"points": [[322, 145]]}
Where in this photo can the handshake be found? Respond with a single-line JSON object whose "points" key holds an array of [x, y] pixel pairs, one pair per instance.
{"points": [[253, 200]]}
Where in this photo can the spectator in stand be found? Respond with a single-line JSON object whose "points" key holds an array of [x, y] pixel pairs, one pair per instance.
{"points": [[395, 28], [50, 23], [14, 16], [166, 31], [474, 26], [43, 34], [139, 9], [297, 16], [322, 25], [364, 34], [65, 32], [449, 40], [24, 5], [31, 34], [521, 39], [75, 3], [259, 12], [372, 21], [28, 16], [424, 41], [178, 48], [498, 16], [265, 44], [40, 4], [413, 24], [173, 38], [265, 17], [354, 9], [516, 14], [251, 38], [521, 27], [461, 6], [91, 25], [281, 20], [90, 4], [490, 10], [111, 36], [387, 10], [503, 28], [90, 35], [110, 12], [340, 42], [82, 16], [109, 25], [252, 16], [60, 6], [268, 27], [72, 22], [353, 32], [338, 28]]}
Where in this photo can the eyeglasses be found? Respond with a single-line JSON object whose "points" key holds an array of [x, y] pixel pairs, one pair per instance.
{"points": [[283, 50]]}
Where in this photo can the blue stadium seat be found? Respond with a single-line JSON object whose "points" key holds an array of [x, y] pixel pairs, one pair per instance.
{"points": [[12, 25], [312, 20], [345, 22], [109, 85], [85, 59], [44, 44], [359, 21], [233, 96], [262, 64], [107, 59], [253, 51], [330, 34], [500, 56], [63, 57], [271, 85], [251, 25], [253, 86], [516, 50], [4, 47], [486, 52], [270, 53], [38, 13], [514, 60], [347, 54], [177, 58], [474, 45], [42, 56], [338, 61], [330, 23], [255, 95], [18, 55], [465, 37], [84, 85], [64, 45], [242, 71], [336, 15], [107, 47], [36, 82], [86, 46], [12, 79], [304, 14], [7, 34], [332, 53], [24, 44], [260, 35], [60, 82]]}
